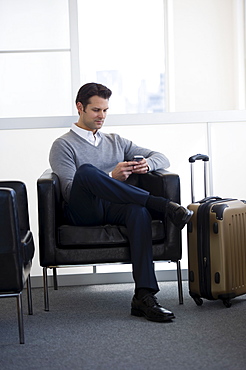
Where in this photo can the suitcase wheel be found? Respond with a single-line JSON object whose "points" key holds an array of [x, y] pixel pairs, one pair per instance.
{"points": [[198, 301], [227, 303]]}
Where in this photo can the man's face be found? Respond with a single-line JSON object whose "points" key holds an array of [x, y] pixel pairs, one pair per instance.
{"points": [[92, 118]]}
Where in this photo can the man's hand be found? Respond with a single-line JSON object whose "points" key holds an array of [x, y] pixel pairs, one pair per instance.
{"points": [[140, 167], [124, 169]]}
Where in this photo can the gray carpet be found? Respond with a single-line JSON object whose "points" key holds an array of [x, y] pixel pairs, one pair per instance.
{"points": [[90, 327]]}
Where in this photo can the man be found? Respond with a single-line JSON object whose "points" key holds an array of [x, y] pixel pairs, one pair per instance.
{"points": [[92, 168]]}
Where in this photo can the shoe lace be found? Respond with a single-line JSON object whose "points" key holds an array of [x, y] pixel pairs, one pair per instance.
{"points": [[151, 300]]}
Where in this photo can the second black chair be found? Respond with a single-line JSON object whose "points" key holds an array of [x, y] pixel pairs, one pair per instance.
{"points": [[16, 246]]}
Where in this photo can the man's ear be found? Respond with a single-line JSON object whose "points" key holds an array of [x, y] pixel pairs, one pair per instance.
{"points": [[79, 107]]}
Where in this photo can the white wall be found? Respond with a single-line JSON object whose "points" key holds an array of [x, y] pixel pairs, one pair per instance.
{"points": [[228, 152], [24, 156]]}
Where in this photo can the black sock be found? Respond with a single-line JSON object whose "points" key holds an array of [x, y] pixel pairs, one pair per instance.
{"points": [[141, 292], [158, 204]]}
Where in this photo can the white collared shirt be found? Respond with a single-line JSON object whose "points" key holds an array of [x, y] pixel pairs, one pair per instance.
{"points": [[87, 135]]}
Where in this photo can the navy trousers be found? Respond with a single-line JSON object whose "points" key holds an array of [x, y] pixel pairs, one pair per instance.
{"points": [[97, 199]]}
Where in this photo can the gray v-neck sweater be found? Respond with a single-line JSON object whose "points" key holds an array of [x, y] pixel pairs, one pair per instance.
{"points": [[70, 151]]}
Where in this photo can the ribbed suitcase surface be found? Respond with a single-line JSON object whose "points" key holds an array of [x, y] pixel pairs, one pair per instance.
{"points": [[236, 262]]}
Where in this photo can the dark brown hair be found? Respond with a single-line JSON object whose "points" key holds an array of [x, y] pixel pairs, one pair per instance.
{"points": [[90, 89]]}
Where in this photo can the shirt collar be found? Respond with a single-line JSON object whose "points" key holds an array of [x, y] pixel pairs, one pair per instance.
{"points": [[87, 135]]}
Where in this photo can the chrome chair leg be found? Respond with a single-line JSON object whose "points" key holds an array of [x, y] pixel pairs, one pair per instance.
{"points": [[55, 283], [180, 288], [29, 295], [20, 317], [46, 293]]}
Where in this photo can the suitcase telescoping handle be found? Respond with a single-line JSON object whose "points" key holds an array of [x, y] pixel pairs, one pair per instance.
{"points": [[192, 160]]}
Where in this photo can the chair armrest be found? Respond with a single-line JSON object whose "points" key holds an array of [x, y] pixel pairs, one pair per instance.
{"points": [[161, 183], [166, 184], [10, 246], [49, 207]]}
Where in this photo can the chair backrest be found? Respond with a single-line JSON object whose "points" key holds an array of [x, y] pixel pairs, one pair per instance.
{"points": [[21, 200]]}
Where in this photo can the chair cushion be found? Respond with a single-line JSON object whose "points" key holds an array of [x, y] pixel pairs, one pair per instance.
{"points": [[107, 235]]}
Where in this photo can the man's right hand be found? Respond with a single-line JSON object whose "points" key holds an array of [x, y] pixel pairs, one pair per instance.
{"points": [[123, 170]]}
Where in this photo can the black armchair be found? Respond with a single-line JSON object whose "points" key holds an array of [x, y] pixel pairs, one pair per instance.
{"points": [[61, 244], [16, 246]]}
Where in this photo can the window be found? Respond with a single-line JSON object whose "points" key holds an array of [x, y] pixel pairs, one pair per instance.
{"points": [[121, 45], [34, 58], [49, 48]]}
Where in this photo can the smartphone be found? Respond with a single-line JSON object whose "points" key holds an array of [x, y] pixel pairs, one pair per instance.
{"points": [[138, 158]]}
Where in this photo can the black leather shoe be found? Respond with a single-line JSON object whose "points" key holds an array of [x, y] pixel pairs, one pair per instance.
{"points": [[150, 309], [179, 215]]}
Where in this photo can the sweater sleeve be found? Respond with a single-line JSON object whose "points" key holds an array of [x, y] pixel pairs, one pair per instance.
{"points": [[63, 165], [155, 160]]}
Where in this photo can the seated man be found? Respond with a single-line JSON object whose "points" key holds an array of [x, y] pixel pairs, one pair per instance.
{"points": [[92, 168]]}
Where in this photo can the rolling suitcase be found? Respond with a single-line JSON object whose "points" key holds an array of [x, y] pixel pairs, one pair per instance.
{"points": [[216, 245]]}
